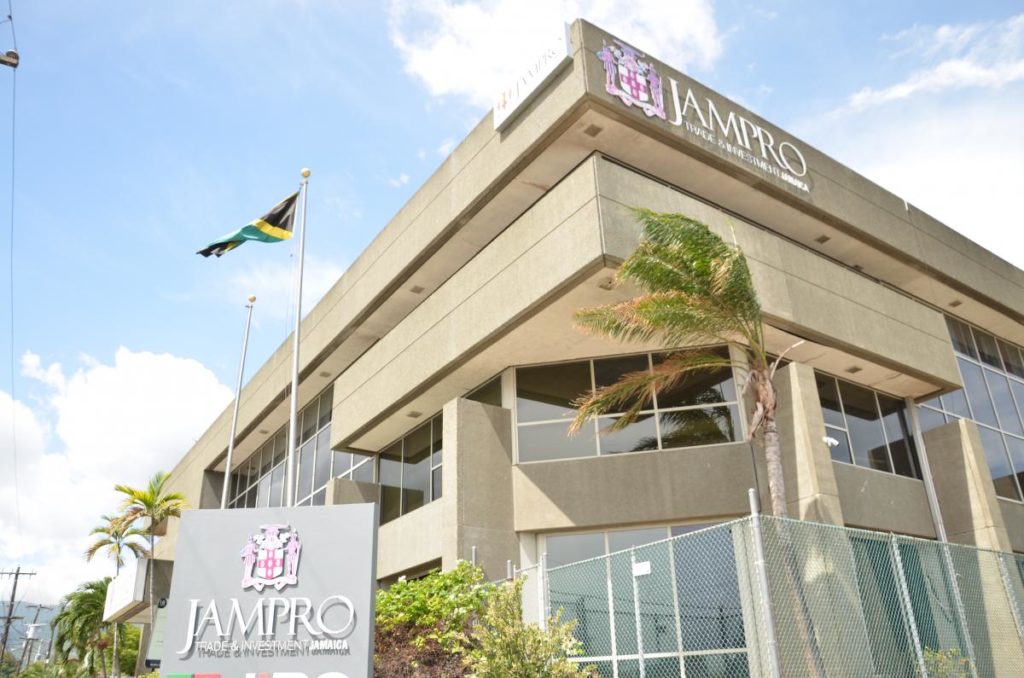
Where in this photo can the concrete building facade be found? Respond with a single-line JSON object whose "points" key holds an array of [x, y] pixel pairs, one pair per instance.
{"points": [[437, 373]]}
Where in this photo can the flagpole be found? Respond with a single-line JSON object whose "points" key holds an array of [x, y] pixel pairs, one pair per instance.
{"points": [[293, 428], [234, 415]]}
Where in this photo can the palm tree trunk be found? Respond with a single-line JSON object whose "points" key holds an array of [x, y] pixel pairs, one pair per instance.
{"points": [[103, 660], [115, 661], [152, 598], [773, 461]]}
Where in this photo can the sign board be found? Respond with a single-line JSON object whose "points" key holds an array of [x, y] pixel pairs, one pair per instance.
{"points": [[529, 82], [706, 119], [155, 648], [126, 590], [274, 592]]}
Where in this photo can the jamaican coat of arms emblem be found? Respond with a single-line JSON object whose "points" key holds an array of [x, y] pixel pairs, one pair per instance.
{"points": [[271, 558], [633, 79]]}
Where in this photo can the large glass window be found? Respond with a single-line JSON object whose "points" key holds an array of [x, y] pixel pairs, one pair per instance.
{"points": [[992, 371], [410, 471], [260, 480], [870, 429], [701, 409]]}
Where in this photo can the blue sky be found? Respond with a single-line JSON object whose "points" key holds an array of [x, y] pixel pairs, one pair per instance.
{"points": [[145, 130]]}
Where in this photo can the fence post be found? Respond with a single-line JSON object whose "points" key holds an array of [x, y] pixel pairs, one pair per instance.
{"points": [[908, 608], [959, 602], [542, 582], [510, 570], [762, 581], [636, 611], [1010, 595]]}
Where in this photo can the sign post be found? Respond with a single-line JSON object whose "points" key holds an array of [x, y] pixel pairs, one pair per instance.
{"points": [[273, 592]]}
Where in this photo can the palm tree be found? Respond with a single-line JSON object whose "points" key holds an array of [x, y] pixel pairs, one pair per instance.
{"points": [[115, 537], [155, 504], [697, 290], [79, 627]]}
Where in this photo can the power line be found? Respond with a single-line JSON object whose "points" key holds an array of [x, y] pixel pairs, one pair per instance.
{"points": [[9, 617]]}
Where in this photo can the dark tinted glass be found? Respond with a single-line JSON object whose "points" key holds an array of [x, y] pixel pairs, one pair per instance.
{"points": [[323, 459], [319, 498], [999, 385], [977, 394], [960, 334], [1016, 447], [277, 486], [686, 428], [1012, 359], [304, 481], [930, 418], [342, 463], [840, 452], [326, 401], [956, 403], [987, 349], [543, 442], [620, 540], [308, 418], [438, 439], [865, 427], [638, 436], [998, 463], [280, 446], [268, 458], [390, 483], [437, 482], [416, 478], [698, 388], [828, 394], [263, 493], [489, 393], [570, 548], [362, 469], [546, 392], [608, 371], [897, 432]]}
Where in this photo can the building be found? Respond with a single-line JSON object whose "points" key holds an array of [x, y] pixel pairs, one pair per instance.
{"points": [[437, 372]]}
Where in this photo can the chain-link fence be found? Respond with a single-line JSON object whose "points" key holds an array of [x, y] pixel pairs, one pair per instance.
{"points": [[772, 597]]}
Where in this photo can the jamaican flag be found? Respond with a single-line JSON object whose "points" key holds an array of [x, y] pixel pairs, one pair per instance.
{"points": [[274, 226]]}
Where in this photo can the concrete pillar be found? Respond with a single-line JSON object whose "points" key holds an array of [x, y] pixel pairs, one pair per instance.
{"points": [[963, 486], [811, 491], [477, 462]]}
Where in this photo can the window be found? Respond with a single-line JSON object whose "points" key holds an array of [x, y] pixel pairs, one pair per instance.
{"points": [[702, 409], [410, 471], [700, 626], [489, 393], [260, 481], [992, 372], [870, 428]]}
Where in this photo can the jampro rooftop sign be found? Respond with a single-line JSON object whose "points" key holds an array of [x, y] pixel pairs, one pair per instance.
{"points": [[634, 79], [274, 592]]}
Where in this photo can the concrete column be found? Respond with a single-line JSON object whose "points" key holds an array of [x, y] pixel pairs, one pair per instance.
{"points": [[811, 491], [477, 462], [963, 486]]}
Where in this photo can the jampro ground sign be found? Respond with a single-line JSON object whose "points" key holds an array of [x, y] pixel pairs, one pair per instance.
{"points": [[273, 592]]}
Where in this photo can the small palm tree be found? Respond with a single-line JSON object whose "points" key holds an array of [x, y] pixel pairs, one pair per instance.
{"points": [[697, 290], [79, 629], [115, 537], [155, 504]]}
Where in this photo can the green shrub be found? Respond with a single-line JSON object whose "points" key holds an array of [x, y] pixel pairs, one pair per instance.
{"points": [[505, 646]]}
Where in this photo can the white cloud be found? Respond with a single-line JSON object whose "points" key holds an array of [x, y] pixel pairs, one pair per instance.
{"points": [[112, 423], [401, 180], [467, 49], [989, 56], [273, 283], [946, 138], [445, 148]]}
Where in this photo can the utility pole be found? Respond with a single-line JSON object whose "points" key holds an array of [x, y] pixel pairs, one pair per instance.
{"points": [[26, 653], [9, 617]]}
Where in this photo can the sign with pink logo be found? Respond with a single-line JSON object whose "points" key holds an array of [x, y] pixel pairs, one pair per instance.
{"points": [[249, 595]]}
